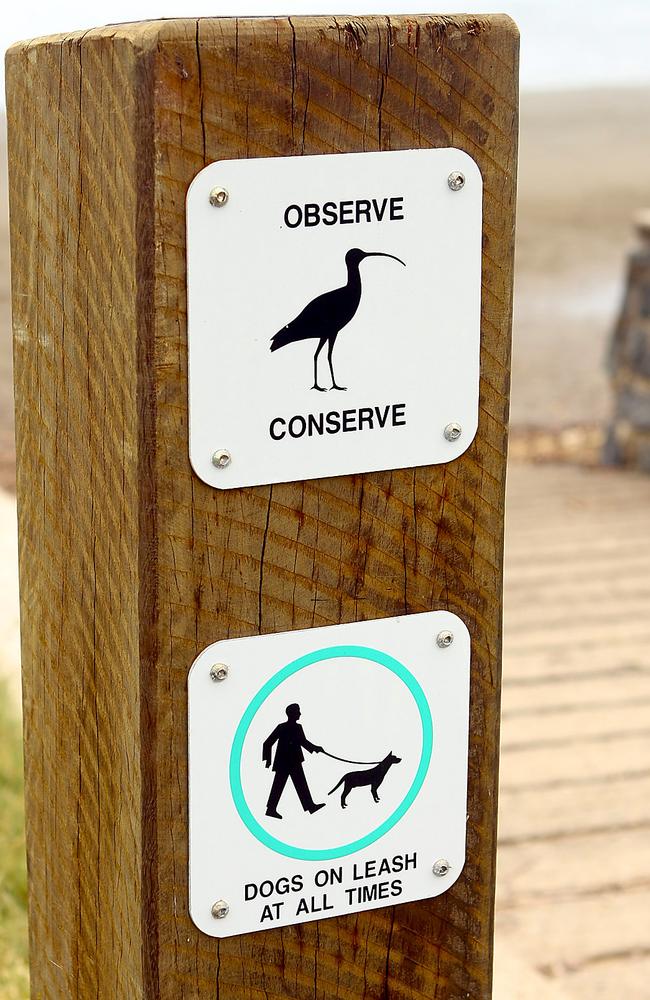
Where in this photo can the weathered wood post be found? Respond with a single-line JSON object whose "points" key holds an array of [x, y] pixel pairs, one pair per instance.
{"points": [[131, 564]]}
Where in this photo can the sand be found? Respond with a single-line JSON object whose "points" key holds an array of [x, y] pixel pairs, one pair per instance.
{"points": [[584, 171]]}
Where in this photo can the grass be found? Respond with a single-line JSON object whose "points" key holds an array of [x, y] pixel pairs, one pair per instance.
{"points": [[14, 975]]}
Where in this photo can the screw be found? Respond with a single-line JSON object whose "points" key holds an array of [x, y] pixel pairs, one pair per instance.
{"points": [[221, 458], [452, 431], [220, 909], [444, 639], [456, 180], [218, 197], [219, 672], [440, 868]]}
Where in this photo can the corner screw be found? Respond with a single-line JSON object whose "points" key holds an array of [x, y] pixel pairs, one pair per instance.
{"points": [[219, 672], [440, 868], [453, 431], [220, 909], [218, 197], [221, 459], [456, 180], [444, 639]]}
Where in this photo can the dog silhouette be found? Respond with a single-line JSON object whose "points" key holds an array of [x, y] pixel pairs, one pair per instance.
{"points": [[373, 777]]}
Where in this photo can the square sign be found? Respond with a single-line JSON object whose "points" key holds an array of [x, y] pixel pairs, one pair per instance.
{"points": [[334, 310], [327, 771]]}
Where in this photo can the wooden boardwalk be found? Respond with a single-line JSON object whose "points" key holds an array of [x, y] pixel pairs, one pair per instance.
{"points": [[574, 857]]}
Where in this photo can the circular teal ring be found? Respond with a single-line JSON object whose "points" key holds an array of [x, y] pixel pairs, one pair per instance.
{"points": [[330, 653]]}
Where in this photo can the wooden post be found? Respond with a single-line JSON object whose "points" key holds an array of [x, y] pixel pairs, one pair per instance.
{"points": [[130, 565]]}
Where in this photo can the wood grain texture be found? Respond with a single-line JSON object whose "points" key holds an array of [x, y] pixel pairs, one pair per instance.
{"points": [[130, 565], [75, 247]]}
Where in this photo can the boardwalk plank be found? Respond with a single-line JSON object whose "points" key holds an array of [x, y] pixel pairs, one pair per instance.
{"points": [[574, 861]]}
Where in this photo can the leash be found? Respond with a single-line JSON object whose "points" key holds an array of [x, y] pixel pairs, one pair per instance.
{"points": [[344, 760]]}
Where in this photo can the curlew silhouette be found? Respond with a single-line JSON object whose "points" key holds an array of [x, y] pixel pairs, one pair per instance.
{"points": [[326, 315]]}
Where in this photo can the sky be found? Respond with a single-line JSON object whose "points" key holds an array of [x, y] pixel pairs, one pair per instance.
{"points": [[564, 43]]}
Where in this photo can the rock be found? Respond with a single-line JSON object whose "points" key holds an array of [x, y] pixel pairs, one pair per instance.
{"points": [[628, 437]]}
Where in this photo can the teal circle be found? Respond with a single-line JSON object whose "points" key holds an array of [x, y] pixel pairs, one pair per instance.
{"points": [[330, 653]]}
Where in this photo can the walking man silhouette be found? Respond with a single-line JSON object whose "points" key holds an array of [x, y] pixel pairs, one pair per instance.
{"points": [[288, 762]]}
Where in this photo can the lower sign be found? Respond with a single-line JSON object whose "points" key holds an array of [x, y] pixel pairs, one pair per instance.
{"points": [[327, 771]]}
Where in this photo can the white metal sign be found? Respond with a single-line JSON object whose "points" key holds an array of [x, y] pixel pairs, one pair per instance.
{"points": [[327, 771], [334, 314]]}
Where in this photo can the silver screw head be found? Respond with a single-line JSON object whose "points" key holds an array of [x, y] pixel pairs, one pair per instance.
{"points": [[218, 197], [444, 639], [456, 180], [221, 459], [440, 867], [220, 909], [453, 431], [219, 672]]}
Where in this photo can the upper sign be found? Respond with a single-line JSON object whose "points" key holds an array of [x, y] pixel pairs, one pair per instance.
{"points": [[333, 313], [327, 771]]}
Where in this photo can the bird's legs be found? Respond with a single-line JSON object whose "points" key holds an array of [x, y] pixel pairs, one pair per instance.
{"points": [[330, 348], [321, 344]]}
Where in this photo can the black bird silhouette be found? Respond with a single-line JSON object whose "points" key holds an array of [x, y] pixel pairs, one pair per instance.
{"points": [[326, 315]]}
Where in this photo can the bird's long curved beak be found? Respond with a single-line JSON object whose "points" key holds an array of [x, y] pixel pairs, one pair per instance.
{"points": [[387, 255]]}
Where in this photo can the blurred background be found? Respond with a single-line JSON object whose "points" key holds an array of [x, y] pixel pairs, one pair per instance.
{"points": [[573, 898]]}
